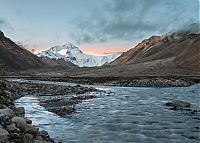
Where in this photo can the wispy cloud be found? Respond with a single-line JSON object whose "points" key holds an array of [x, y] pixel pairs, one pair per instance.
{"points": [[4, 24], [134, 19]]}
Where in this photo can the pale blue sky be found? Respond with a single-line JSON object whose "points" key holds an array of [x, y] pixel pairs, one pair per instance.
{"points": [[94, 25]]}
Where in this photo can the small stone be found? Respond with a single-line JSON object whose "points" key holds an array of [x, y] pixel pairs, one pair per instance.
{"points": [[196, 127], [28, 121], [44, 134], [28, 136]]}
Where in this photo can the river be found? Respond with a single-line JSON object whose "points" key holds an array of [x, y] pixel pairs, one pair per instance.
{"points": [[129, 114]]}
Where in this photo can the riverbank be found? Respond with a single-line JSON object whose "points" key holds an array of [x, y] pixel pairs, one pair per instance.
{"points": [[140, 81], [58, 99], [14, 126]]}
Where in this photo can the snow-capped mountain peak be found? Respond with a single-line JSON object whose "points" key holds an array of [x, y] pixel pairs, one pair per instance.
{"points": [[72, 53]]}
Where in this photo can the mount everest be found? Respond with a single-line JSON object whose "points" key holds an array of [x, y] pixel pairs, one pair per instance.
{"points": [[70, 52]]}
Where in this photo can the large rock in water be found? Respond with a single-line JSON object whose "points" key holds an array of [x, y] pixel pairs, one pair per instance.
{"points": [[178, 104]]}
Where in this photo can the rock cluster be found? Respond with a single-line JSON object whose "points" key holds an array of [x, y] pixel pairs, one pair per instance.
{"points": [[55, 98], [128, 82], [49, 89], [14, 126], [64, 105]]}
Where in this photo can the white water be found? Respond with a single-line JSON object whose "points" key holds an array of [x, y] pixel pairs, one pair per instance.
{"points": [[131, 114]]}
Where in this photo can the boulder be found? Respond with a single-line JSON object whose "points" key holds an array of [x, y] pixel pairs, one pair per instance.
{"points": [[20, 111], [12, 128], [4, 135], [23, 126], [8, 112], [178, 104], [20, 123]]}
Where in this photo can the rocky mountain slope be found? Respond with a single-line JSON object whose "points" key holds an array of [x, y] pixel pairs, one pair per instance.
{"points": [[168, 55], [183, 48], [73, 54]]}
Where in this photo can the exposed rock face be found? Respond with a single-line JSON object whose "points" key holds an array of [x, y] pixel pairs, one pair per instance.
{"points": [[1, 34]]}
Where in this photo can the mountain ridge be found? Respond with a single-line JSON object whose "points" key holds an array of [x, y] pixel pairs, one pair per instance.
{"points": [[70, 52]]}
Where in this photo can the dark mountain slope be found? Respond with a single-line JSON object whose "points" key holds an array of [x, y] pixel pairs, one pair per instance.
{"points": [[17, 58]]}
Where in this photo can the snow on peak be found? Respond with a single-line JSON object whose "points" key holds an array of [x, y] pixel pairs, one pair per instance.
{"points": [[70, 52]]}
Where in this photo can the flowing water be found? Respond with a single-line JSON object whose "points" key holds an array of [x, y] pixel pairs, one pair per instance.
{"points": [[129, 114]]}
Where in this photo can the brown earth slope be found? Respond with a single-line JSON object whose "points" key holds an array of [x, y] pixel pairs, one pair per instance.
{"points": [[185, 50], [169, 55]]}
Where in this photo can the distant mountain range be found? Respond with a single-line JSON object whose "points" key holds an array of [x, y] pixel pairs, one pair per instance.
{"points": [[71, 53]]}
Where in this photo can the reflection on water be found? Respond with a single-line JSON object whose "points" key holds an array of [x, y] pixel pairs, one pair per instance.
{"points": [[129, 115]]}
